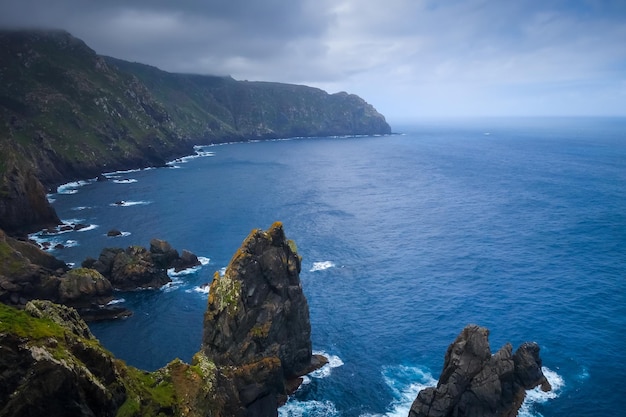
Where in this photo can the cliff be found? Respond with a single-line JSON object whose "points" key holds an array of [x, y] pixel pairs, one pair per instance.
{"points": [[68, 113], [257, 323], [256, 345], [475, 383]]}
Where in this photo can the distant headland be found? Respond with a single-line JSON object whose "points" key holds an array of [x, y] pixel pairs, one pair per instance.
{"points": [[69, 113]]}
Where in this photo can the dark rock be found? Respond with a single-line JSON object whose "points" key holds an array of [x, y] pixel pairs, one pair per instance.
{"points": [[80, 226], [23, 202], [119, 203], [101, 178], [474, 383], [137, 267], [65, 228], [113, 233], [257, 322], [186, 260], [134, 268], [163, 255], [82, 287], [59, 246]]}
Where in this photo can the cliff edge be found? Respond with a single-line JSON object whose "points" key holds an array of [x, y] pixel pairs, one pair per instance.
{"points": [[68, 113]]}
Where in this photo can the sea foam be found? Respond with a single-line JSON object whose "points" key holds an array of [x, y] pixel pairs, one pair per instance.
{"points": [[320, 266], [537, 396], [334, 361], [295, 408]]}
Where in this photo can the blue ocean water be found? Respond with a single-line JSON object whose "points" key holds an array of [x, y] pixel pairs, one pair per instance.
{"points": [[518, 225]]}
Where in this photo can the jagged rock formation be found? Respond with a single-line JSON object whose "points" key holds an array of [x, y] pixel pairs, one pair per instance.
{"points": [[67, 113], [137, 267], [257, 323], [28, 273], [256, 343], [474, 383]]}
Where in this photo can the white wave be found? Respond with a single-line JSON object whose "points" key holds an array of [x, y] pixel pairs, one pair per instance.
{"points": [[71, 187], [70, 243], [124, 203], [537, 396], [116, 301], [90, 227], [200, 153], [50, 198], [125, 181], [405, 383], [320, 266], [118, 173], [171, 286], [202, 289], [334, 361], [80, 208], [312, 408], [222, 271], [187, 271]]}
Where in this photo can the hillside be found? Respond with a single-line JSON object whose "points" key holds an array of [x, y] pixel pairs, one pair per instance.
{"points": [[68, 113]]}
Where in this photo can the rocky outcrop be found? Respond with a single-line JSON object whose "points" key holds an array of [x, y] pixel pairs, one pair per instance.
{"points": [[28, 273], [475, 383], [23, 202], [137, 267], [256, 345], [51, 365], [257, 323]]}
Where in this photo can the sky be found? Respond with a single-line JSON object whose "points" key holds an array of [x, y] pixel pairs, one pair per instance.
{"points": [[411, 59]]}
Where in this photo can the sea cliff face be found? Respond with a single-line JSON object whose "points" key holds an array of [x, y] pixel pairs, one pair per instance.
{"points": [[68, 113], [256, 345]]}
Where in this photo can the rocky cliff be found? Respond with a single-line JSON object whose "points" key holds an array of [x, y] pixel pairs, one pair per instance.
{"points": [[475, 383], [256, 345], [257, 323], [67, 113]]}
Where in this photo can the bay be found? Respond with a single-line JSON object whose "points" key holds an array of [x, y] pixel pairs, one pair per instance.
{"points": [[518, 225]]}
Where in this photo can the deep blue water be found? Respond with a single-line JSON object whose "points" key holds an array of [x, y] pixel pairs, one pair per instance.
{"points": [[516, 225]]}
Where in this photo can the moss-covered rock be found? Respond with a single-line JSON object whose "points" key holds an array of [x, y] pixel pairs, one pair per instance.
{"points": [[256, 327]]}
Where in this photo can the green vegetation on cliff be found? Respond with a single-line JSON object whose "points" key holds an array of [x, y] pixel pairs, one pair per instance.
{"points": [[67, 113], [52, 365]]}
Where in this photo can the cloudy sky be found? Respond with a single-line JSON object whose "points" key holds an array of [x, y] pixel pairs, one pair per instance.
{"points": [[409, 58]]}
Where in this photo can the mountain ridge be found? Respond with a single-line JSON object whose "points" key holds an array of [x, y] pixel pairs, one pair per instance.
{"points": [[69, 113]]}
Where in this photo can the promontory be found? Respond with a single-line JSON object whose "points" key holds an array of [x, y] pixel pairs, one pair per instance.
{"points": [[68, 113]]}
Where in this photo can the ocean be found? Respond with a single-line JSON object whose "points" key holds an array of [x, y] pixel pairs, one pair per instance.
{"points": [[517, 225]]}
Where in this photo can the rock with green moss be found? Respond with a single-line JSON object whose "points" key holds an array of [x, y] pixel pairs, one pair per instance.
{"points": [[257, 322]]}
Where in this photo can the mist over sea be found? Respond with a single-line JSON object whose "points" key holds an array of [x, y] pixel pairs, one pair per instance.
{"points": [[518, 225]]}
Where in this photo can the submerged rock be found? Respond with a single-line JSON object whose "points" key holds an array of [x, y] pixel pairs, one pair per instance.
{"points": [[257, 325], [475, 383]]}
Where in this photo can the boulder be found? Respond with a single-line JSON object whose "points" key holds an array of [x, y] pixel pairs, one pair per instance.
{"points": [[475, 383], [113, 233], [257, 326], [83, 287]]}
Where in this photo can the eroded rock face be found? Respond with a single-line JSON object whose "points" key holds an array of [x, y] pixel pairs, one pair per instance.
{"points": [[475, 383], [57, 370], [257, 325]]}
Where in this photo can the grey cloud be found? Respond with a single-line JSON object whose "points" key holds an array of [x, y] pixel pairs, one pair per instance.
{"points": [[404, 56]]}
